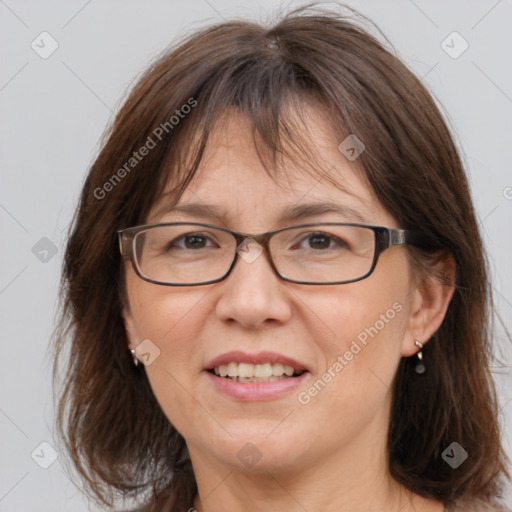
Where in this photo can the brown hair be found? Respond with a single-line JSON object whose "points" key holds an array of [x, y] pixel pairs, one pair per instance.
{"points": [[108, 415]]}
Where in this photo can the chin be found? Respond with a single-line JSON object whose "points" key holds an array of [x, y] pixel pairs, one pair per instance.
{"points": [[258, 449]]}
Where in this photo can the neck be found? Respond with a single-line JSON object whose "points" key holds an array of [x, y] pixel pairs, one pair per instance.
{"points": [[310, 490], [353, 478]]}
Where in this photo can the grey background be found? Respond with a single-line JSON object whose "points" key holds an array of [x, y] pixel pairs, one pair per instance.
{"points": [[54, 110]]}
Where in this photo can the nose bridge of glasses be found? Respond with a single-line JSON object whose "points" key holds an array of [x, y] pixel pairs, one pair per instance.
{"points": [[250, 247]]}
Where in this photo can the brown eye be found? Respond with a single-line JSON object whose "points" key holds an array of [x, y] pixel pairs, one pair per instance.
{"points": [[319, 241], [190, 241]]}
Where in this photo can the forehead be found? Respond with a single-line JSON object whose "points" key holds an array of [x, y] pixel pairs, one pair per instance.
{"points": [[233, 182]]}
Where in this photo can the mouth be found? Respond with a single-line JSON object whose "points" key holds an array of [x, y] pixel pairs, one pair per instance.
{"points": [[254, 377], [248, 372]]}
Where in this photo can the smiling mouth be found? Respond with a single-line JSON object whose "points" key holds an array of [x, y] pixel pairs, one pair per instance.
{"points": [[247, 372]]}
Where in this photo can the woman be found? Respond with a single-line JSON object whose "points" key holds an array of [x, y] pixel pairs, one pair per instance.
{"points": [[276, 292]]}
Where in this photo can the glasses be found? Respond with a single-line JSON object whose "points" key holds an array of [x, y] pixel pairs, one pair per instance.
{"points": [[191, 253]]}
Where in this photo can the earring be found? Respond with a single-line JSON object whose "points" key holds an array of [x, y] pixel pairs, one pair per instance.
{"points": [[420, 367], [135, 360]]}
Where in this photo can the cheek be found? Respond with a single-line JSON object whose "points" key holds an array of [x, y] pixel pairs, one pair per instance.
{"points": [[168, 316], [172, 319], [360, 313], [366, 323]]}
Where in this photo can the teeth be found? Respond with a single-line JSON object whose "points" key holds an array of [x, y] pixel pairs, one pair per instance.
{"points": [[245, 371], [232, 370], [277, 369], [288, 370], [257, 379], [262, 370]]}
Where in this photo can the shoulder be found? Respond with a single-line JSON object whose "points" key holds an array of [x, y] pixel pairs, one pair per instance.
{"points": [[477, 505], [160, 506], [150, 507]]}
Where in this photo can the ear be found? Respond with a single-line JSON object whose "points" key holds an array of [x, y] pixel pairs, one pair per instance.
{"points": [[129, 327], [429, 302]]}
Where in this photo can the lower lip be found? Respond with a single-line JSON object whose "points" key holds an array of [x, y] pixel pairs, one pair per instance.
{"points": [[254, 391]]}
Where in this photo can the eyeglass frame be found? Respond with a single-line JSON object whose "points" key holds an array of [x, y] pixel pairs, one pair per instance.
{"points": [[385, 238]]}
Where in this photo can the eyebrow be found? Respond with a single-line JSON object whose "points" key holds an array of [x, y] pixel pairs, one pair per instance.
{"points": [[296, 212]]}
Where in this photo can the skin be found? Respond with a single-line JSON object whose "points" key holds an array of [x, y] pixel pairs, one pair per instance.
{"points": [[329, 454]]}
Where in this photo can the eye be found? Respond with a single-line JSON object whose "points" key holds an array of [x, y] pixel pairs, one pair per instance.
{"points": [[320, 241], [190, 241]]}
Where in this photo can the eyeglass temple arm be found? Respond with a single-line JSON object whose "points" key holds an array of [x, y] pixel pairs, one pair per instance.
{"points": [[125, 247]]}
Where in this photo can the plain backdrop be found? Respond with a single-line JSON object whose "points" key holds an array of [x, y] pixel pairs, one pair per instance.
{"points": [[53, 113]]}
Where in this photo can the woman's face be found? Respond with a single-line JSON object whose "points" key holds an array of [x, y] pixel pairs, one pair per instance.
{"points": [[349, 337]]}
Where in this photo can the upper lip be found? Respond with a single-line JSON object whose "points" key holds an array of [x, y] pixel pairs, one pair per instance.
{"points": [[259, 358]]}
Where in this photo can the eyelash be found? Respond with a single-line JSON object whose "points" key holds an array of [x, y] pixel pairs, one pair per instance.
{"points": [[308, 236]]}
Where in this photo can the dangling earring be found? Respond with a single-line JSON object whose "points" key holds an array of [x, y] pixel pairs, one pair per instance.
{"points": [[420, 367], [135, 360]]}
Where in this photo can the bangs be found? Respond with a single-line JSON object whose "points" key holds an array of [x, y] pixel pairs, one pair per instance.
{"points": [[277, 102]]}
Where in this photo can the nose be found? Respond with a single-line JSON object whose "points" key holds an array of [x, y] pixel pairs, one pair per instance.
{"points": [[253, 295]]}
